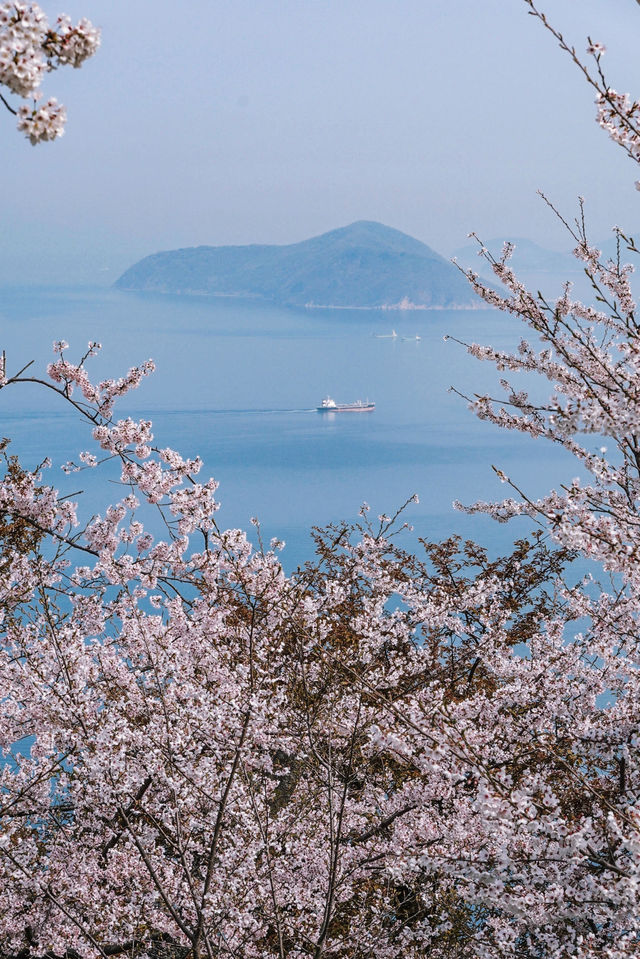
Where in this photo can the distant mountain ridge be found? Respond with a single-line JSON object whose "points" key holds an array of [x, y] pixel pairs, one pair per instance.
{"points": [[364, 265], [528, 257], [547, 270]]}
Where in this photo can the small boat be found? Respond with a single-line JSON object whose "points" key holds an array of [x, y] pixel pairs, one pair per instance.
{"points": [[330, 406], [386, 336]]}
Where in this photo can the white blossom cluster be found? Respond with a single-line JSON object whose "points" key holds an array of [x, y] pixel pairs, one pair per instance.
{"points": [[23, 32], [619, 115], [75, 44], [29, 48], [42, 123]]}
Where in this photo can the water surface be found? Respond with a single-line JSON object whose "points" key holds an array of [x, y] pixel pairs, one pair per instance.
{"points": [[238, 382]]}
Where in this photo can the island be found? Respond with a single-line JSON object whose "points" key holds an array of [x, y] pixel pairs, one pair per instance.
{"points": [[362, 266]]}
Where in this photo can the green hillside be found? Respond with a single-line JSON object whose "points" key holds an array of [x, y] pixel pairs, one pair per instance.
{"points": [[365, 264]]}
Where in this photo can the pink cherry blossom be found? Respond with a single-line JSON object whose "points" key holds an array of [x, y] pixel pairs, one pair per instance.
{"points": [[30, 48], [384, 753]]}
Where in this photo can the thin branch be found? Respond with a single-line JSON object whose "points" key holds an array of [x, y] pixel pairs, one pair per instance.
{"points": [[15, 112]]}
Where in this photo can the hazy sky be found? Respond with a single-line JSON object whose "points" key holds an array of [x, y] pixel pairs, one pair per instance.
{"points": [[242, 121]]}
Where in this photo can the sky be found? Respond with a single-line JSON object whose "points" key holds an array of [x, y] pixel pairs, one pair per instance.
{"points": [[269, 121]]}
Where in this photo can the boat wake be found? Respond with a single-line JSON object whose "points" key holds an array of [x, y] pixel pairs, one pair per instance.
{"points": [[227, 412]]}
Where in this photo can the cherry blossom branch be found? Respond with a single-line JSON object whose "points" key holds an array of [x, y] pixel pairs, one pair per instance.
{"points": [[30, 48]]}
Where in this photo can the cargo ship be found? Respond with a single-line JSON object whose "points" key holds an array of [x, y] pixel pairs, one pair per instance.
{"points": [[330, 406]]}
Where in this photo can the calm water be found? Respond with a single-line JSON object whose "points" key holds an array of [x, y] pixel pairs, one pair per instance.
{"points": [[237, 382]]}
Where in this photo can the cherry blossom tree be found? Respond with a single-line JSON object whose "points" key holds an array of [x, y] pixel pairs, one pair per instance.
{"points": [[383, 753], [588, 354], [30, 48], [205, 756]]}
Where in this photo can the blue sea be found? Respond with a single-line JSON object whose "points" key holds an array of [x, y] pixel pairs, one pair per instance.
{"points": [[238, 381]]}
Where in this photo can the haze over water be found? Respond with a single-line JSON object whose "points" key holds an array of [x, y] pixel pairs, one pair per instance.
{"points": [[237, 382]]}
